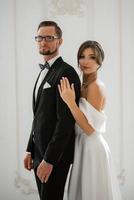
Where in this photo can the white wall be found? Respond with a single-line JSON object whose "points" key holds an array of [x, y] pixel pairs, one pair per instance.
{"points": [[110, 23]]}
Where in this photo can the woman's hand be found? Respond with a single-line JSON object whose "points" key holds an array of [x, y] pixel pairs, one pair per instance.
{"points": [[67, 91]]}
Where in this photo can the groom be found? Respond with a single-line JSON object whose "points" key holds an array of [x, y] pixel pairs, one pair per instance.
{"points": [[51, 144]]}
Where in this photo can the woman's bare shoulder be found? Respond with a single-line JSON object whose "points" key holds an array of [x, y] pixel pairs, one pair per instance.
{"points": [[97, 94]]}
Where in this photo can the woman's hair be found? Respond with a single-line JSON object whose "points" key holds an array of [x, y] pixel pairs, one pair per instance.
{"points": [[97, 49]]}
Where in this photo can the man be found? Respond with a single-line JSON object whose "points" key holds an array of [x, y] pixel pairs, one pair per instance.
{"points": [[51, 144]]}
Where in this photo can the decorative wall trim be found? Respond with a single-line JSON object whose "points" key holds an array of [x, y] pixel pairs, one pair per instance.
{"points": [[67, 7], [24, 185], [122, 173], [90, 8], [16, 88], [121, 177]]}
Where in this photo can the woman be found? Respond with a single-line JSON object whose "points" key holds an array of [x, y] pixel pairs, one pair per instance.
{"points": [[92, 175]]}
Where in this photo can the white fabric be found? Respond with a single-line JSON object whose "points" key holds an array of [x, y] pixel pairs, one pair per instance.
{"points": [[46, 85], [93, 174], [52, 60], [41, 77], [95, 118], [43, 74]]}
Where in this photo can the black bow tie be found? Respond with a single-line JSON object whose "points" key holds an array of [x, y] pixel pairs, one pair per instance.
{"points": [[46, 65]]}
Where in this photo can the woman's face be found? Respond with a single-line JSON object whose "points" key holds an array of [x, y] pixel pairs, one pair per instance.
{"points": [[87, 61]]}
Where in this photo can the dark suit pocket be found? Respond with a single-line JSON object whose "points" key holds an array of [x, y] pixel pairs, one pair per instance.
{"points": [[48, 96], [46, 104], [51, 89], [48, 93], [45, 89]]}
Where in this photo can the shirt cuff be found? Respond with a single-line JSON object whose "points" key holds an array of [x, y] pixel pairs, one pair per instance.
{"points": [[28, 152]]}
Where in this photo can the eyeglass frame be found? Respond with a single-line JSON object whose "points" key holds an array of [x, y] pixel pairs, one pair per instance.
{"points": [[45, 38]]}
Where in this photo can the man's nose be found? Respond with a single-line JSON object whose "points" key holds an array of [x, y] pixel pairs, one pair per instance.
{"points": [[43, 41]]}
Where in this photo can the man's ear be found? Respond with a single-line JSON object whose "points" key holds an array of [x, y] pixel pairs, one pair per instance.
{"points": [[60, 41]]}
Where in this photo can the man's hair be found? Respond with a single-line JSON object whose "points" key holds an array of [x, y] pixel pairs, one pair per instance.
{"points": [[51, 23]]}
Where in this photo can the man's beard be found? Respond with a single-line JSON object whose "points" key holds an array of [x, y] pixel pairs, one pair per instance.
{"points": [[46, 53]]}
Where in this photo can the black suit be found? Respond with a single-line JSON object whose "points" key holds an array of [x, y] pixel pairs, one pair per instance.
{"points": [[52, 136]]}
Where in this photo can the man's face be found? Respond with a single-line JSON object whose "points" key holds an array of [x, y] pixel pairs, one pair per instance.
{"points": [[48, 47]]}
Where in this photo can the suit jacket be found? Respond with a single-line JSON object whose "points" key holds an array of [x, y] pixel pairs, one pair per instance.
{"points": [[52, 135]]}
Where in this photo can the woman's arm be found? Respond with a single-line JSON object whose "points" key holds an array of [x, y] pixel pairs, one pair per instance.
{"points": [[80, 119], [67, 93]]}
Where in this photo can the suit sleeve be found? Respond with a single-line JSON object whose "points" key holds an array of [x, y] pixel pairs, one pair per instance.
{"points": [[30, 144], [65, 122]]}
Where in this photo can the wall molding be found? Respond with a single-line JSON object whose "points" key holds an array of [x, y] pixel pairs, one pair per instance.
{"points": [[70, 7], [122, 177], [21, 183], [122, 120], [24, 185]]}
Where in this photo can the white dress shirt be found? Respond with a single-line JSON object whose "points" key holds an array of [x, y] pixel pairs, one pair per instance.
{"points": [[43, 74]]}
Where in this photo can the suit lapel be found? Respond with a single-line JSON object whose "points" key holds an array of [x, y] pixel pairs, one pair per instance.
{"points": [[34, 90], [47, 78]]}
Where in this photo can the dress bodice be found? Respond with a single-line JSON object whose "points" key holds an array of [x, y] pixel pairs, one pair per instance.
{"points": [[95, 118]]}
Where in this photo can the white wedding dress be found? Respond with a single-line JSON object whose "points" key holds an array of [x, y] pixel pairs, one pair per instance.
{"points": [[92, 175]]}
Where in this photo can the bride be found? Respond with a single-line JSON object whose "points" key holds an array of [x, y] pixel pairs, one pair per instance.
{"points": [[92, 175]]}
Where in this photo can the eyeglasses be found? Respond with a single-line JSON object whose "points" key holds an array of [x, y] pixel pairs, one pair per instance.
{"points": [[48, 38]]}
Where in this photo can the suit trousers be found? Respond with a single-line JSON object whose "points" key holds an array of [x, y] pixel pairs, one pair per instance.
{"points": [[54, 188]]}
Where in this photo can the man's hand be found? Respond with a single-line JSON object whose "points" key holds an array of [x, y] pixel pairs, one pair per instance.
{"points": [[44, 170], [28, 162]]}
